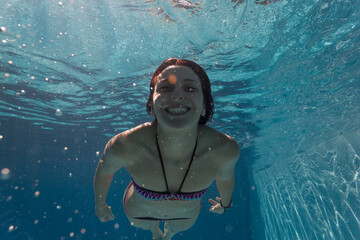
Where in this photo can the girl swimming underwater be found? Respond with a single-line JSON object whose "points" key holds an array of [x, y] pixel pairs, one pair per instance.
{"points": [[172, 160]]}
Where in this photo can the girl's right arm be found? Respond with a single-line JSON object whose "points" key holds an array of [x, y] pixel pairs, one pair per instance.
{"points": [[110, 162]]}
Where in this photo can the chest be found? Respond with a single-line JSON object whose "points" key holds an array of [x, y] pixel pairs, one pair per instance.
{"points": [[193, 174]]}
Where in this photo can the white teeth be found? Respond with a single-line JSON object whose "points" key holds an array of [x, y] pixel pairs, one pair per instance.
{"points": [[177, 110]]}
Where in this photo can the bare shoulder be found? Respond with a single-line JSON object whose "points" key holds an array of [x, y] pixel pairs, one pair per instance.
{"points": [[225, 145], [130, 138], [119, 150]]}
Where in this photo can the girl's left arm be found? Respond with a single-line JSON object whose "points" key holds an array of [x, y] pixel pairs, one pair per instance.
{"points": [[225, 178]]}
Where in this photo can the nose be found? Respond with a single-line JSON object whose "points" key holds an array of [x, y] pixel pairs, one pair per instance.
{"points": [[177, 95]]}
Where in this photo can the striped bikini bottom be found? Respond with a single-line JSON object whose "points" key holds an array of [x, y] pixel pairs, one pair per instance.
{"points": [[150, 218]]}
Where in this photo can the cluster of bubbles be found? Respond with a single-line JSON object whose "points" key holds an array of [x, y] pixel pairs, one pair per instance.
{"points": [[72, 234]]}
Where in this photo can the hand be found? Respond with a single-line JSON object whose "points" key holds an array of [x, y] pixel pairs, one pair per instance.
{"points": [[216, 206], [103, 212]]}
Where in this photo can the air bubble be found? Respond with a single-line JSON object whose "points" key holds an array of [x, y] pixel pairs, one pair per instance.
{"points": [[58, 113], [5, 174], [229, 228]]}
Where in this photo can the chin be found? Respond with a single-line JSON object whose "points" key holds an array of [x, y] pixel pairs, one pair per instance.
{"points": [[179, 123]]}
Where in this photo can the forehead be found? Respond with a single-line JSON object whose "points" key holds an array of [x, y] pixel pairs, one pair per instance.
{"points": [[180, 72]]}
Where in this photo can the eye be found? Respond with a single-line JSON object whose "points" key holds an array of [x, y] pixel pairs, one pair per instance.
{"points": [[190, 88], [164, 88]]}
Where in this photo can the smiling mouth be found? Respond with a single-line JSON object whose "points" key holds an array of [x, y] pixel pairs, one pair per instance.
{"points": [[177, 110]]}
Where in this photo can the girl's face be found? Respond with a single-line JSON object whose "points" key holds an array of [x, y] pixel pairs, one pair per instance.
{"points": [[178, 100]]}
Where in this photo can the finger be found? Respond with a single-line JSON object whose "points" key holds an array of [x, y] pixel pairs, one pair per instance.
{"points": [[217, 210], [212, 201], [219, 199], [212, 209]]}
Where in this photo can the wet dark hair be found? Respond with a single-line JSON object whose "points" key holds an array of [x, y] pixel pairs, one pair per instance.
{"points": [[204, 80]]}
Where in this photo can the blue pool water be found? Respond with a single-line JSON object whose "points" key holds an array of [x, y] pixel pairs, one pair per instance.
{"points": [[286, 85]]}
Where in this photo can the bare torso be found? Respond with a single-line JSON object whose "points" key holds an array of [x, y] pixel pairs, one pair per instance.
{"points": [[145, 169]]}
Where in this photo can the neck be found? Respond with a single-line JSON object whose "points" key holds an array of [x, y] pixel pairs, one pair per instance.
{"points": [[176, 144]]}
